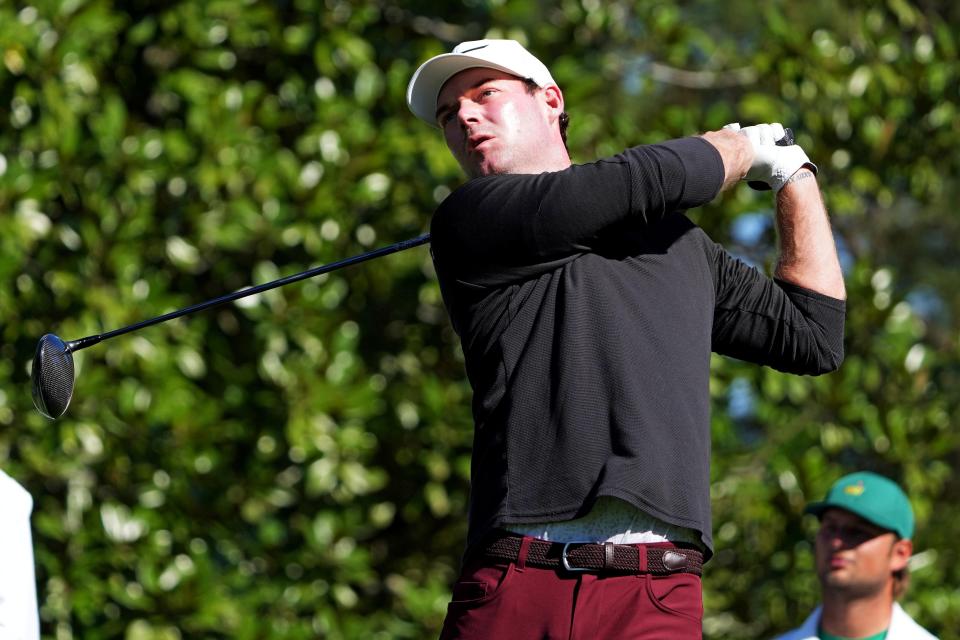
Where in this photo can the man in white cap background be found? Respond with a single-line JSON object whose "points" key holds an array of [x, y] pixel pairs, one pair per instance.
{"points": [[587, 306], [863, 547]]}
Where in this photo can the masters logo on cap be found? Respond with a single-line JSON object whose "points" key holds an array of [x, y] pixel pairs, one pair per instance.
{"points": [[874, 498], [508, 56], [854, 489]]}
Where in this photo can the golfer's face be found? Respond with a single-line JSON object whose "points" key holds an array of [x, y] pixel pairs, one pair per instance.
{"points": [[491, 123], [855, 555]]}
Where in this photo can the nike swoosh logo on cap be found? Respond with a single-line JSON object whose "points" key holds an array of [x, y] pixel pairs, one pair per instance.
{"points": [[483, 46]]}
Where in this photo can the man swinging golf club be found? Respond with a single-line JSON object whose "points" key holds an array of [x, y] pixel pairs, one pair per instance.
{"points": [[588, 305]]}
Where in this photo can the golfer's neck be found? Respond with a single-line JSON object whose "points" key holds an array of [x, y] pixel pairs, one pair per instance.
{"points": [[858, 617]]}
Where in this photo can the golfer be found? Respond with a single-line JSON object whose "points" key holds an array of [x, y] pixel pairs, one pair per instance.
{"points": [[588, 305], [863, 548]]}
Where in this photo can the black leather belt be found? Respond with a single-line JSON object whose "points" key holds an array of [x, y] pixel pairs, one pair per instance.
{"points": [[604, 557]]}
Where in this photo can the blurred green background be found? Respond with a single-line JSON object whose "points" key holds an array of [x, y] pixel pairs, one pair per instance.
{"points": [[296, 465]]}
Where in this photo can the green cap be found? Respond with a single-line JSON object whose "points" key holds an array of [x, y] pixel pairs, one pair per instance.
{"points": [[872, 497]]}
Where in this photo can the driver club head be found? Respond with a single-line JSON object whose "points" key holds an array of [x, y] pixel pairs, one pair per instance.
{"points": [[52, 376]]}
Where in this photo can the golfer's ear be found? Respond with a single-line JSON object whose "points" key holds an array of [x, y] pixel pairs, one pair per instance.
{"points": [[900, 554], [553, 99]]}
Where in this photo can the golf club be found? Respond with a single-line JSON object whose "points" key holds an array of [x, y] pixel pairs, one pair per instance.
{"points": [[52, 376]]}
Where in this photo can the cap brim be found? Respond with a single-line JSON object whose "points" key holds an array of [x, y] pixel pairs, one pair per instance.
{"points": [[817, 509], [426, 83]]}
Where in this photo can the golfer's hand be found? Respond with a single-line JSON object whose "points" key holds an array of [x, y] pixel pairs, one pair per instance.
{"points": [[772, 164], [735, 151]]}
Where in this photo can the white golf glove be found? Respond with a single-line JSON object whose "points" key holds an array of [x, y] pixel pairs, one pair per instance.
{"points": [[773, 164]]}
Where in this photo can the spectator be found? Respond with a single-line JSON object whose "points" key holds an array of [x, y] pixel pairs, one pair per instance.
{"points": [[18, 592], [863, 548]]}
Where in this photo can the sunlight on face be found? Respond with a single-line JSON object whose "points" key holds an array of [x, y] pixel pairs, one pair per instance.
{"points": [[492, 124]]}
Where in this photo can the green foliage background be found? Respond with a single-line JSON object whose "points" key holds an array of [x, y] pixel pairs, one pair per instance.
{"points": [[296, 466]]}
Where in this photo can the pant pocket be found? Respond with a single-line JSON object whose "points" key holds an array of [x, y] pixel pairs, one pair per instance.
{"points": [[480, 584], [679, 594]]}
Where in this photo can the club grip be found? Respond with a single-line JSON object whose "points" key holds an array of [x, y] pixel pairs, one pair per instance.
{"points": [[787, 138]]}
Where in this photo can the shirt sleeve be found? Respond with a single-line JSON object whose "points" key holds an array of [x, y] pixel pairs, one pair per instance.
{"points": [[501, 228], [773, 322]]}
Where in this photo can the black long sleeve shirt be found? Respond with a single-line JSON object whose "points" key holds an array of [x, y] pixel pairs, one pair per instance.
{"points": [[588, 305]]}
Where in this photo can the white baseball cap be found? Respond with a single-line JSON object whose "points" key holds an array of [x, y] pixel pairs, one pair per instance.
{"points": [[508, 56]]}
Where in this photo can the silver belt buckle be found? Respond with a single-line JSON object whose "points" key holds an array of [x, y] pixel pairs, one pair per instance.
{"points": [[566, 562]]}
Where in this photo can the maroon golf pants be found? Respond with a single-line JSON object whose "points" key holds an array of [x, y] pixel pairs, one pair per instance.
{"points": [[512, 601]]}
